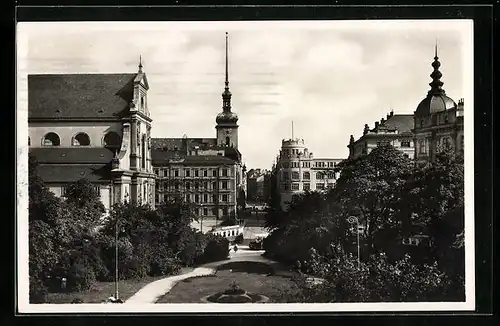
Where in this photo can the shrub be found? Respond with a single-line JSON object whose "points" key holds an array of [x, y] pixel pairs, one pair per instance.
{"points": [[80, 277], [217, 249], [239, 239], [165, 265], [38, 290]]}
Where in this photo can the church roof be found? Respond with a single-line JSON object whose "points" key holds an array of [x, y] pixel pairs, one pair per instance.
{"points": [[72, 155], [161, 157], [64, 173], [181, 143], [84, 96]]}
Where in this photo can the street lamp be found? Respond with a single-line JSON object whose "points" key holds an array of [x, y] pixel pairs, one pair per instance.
{"points": [[116, 259], [352, 220]]}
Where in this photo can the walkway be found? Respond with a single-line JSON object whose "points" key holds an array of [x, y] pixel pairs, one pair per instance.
{"points": [[154, 290]]}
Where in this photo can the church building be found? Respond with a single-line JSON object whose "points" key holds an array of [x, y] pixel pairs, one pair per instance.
{"points": [[94, 126]]}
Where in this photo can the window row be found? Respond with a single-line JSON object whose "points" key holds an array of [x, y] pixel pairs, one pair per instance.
{"points": [[111, 139], [198, 199], [306, 186], [287, 165], [224, 185], [307, 175], [190, 172]]}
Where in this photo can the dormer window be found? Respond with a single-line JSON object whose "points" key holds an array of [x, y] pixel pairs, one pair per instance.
{"points": [[81, 139]]}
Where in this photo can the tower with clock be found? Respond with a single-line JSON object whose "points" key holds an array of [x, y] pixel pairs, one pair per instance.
{"points": [[227, 121]]}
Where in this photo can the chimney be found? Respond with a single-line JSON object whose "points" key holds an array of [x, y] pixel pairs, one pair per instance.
{"points": [[382, 121], [376, 124], [391, 113], [351, 139], [366, 129]]}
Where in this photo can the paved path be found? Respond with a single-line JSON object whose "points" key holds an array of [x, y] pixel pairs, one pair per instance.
{"points": [[154, 290]]}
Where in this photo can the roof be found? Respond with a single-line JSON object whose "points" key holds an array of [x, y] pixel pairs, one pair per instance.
{"points": [[63, 173], [160, 157], [434, 103], [72, 155], [181, 143], [402, 122], [73, 96]]}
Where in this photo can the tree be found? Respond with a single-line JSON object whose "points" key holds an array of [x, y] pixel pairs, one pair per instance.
{"points": [[369, 187], [274, 213]]}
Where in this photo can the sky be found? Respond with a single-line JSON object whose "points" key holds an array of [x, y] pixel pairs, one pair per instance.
{"points": [[328, 77]]}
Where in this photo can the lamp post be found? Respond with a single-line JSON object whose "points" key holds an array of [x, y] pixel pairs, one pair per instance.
{"points": [[116, 259], [352, 220]]}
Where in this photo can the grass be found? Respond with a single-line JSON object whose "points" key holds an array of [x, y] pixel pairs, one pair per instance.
{"points": [[103, 290], [192, 290]]}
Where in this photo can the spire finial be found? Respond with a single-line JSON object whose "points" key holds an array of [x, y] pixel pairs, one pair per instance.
{"points": [[227, 74], [140, 63], [292, 130], [436, 84]]}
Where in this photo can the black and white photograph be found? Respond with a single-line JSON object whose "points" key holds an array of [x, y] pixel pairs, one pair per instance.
{"points": [[245, 166]]}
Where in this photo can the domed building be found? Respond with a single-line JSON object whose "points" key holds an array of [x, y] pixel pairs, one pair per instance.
{"points": [[438, 120]]}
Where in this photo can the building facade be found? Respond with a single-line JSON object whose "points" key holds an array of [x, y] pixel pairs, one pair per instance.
{"points": [[208, 172], [395, 130], [94, 126], [258, 185], [297, 170], [438, 120]]}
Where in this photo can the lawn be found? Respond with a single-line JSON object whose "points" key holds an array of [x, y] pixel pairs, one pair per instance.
{"points": [[102, 290], [193, 289]]}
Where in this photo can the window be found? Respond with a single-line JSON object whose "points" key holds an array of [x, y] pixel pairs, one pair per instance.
{"points": [[224, 198], [306, 175], [51, 139], [285, 165], [196, 198], [307, 186], [228, 141], [205, 211], [214, 185], [188, 186], [331, 175], [214, 198], [405, 144], [421, 123], [205, 173], [330, 185], [286, 176], [421, 146], [320, 186], [446, 143], [205, 199], [143, 152], [81, 139], [405, 155], [196, 186], [224, 184], [196, 173], [295, 186], [156, 171], [295, 175], [111, 139], [214, 211], [319, 175], [29, 141], [286, 187], [176, 187], [205, 184], [224, 172]]}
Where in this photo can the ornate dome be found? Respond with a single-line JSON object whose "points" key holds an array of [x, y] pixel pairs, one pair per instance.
{"points": [[227, 117], [436, 100], [434, 103]]}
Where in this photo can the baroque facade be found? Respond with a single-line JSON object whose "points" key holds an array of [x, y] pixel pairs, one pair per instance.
{"points": [[208, 172], [438, 120], [395, 129], [297, 170], [94, 126]]}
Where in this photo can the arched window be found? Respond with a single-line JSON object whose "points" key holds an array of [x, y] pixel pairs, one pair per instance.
{"points": [[421, 148], [51, 139], [228, 141], [319, 175], [81, 139], [29, 141], [112, 139]]}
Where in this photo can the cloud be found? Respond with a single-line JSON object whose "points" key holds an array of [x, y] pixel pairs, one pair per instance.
{"points": [[329, 79]]}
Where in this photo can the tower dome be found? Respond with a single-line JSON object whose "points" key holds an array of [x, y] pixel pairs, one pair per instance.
{"points": [[436, 99], [226, 117]]}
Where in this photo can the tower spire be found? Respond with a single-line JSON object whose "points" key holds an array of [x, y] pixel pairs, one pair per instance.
{"points": [[436, 84], [140, 63], [226, 95]]}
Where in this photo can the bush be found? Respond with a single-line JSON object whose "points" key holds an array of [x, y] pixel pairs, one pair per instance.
{"points": [[165, 265], [38, 290], [239, 239], [80, 277], [217, 249]]}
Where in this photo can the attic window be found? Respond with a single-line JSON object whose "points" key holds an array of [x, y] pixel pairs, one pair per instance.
{"points": [[101, 155], [82, 173], [58, 111], [100, 111], [63, 154]]}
